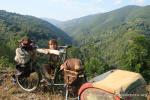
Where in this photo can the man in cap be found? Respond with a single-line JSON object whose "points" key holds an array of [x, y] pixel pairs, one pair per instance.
{"points": [[25, 54]]}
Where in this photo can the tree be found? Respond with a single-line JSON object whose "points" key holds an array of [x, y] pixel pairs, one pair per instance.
{"points": [[95, 66], [138, 56]]}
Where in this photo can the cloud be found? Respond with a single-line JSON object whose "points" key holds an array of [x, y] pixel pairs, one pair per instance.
{"points": [[140, 2], [117, 2]]}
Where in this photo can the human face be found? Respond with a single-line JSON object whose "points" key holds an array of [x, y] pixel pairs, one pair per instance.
{"points": [[52, 46]]}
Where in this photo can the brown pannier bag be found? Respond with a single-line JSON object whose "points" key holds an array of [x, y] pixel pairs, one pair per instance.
{"points": [[73, 74], [70, 76]]}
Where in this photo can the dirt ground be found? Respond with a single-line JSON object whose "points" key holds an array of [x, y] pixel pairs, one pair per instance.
{"points": [[11, 91]]}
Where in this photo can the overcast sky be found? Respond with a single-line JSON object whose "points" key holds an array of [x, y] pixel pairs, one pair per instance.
{"points": [[65, 9]]}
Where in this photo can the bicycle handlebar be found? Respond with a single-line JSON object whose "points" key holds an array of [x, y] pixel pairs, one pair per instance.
{"points": [[65, 47]]}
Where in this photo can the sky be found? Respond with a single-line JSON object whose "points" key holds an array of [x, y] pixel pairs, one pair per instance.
{"points": [[65, 9]]}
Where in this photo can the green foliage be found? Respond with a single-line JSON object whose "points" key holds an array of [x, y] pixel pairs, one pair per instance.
{"points": [[120, 38], [18, 25], [74, 52], [95, 66], [136, 54], [4, 62], [136, 57]]}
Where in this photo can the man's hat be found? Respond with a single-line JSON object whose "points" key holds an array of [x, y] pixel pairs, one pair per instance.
{"points": [[25, 41]]}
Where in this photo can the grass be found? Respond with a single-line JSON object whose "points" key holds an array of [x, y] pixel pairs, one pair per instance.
{"points": [[10, 91]]}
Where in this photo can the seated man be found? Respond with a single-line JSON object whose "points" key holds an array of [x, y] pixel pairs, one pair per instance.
{"points": [[54, 59], [25, 54]]}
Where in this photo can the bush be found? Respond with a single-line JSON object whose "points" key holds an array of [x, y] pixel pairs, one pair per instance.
{"points": [[4, 62], [94, 66]]}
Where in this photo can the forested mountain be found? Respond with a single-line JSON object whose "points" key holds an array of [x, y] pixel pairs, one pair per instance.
{"points": [[29, 25], [116, 39], [14, 26], [95, 24]]}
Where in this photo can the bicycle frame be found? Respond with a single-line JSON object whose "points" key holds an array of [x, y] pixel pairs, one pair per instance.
{"points": [[63, 57], [51, 82]]}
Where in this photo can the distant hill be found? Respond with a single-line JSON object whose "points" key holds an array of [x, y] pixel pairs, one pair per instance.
{"points": [[14, 26], [108, 29], [104, 21], [53, 21], [30, 25]]}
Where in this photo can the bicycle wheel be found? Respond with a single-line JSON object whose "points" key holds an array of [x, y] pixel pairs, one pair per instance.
{"points": [[29, 83]]}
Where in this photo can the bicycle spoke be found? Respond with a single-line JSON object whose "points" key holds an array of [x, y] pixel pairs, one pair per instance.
{"points": [[29, 83]]}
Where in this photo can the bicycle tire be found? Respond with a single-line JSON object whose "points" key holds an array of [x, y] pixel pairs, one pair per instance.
{"points": [[24, 84]]}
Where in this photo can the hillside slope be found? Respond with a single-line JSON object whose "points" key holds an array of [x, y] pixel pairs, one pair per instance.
{"points": [[36, 28], [98, 23], [14, 26], [119, 38]]}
